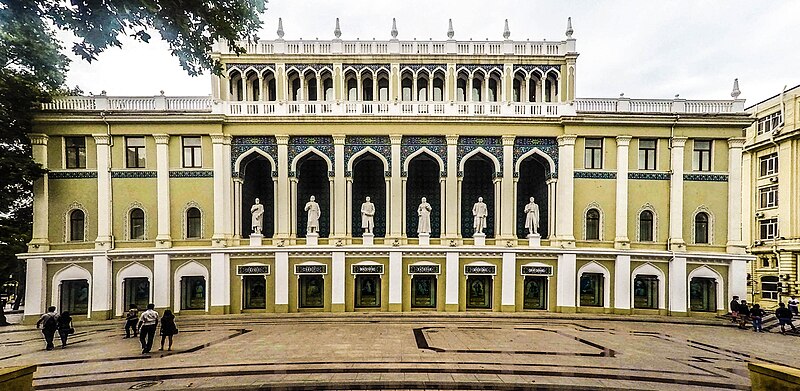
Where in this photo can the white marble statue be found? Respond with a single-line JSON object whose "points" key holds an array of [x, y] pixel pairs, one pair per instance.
{"points": [[532, 217], [312, 225], [424, 213], [257, 210], [368, 216], [479, 213]]}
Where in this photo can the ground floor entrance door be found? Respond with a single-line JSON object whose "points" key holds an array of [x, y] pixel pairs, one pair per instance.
{"points": [[423, 291], [479, 292], [535, 293], [136, 291]]}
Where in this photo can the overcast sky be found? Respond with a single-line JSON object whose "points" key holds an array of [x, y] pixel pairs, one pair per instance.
{"points": [[646, 49]]}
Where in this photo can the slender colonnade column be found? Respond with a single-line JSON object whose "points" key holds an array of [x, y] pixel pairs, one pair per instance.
{"points": [[676, 242], [163, 238], [621, 241], [104, 236]]}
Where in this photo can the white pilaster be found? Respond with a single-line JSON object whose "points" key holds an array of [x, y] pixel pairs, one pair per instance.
{"points": [[621, 240], [396, 192], [41, 198], [737, 279], [735, 217], [227, 181], [338, 196], [281, 278], [677, 285], [283, 215], [509, 280], [395, 277], [622, 282], [451, 283], [506, 198], [35, 286], [218, 239], [220, 279], [676, 242], [566, 286], [163, 238], [104, 237], [101, 284], [337, 278], [161, 280], [450, 209], [566, 192]]}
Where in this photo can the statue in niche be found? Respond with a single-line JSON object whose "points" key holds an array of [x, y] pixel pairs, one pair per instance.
{"points": [[479, 213], [532, 217], [424, 213], [312, 207], [257, 210], [368, 216]]}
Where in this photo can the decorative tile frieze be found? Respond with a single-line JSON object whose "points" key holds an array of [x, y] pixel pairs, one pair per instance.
{"points": [[428, 67], [595, 175], [380, 144], [436, 144], [372, 67], [302, 67], [72, 174], [649, 176], [133, 174], [528, 68], [492, 145], [705, 177], [263, 144], [488, 68], [299, 144], [242, 66], [191, 174], [547, 145]]}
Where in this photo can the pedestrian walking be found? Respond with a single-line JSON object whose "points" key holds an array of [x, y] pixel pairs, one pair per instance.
{"points": [[756, 315], [168, 328], [793, 303], [131, 318], [147, 327], [784, 316], [49, 325], [65, 328], [744, 314], [734, 307]]}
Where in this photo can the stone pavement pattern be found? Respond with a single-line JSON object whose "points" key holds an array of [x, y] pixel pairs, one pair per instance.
{"points": [[432, 351]]}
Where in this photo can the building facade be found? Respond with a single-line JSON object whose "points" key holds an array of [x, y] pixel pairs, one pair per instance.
{"points": [[150, 199], [770, 198]]}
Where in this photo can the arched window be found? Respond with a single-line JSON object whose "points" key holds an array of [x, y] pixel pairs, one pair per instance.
{"points": [[701, 228], [193, 222], [76, 224], [137, 224], [593, 224], [646, 226], [406, 85]]}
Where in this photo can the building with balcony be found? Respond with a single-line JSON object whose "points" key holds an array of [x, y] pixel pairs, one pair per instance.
{"points": [[151, 199], [771, 216]]}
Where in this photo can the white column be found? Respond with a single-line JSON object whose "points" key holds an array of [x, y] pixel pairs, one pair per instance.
{"points": [[228, 186], [737, 279], [451, 283], [677, 285], [338, 195], [35, 286], [220, 279], [101, 285], [396, 193], [163, 238], [507, 202], [566, 190], [676, 242], [735, 216], [450, 209], [283, 215], [509, 281], [566, 286], [621, 240], [622, 282], [104, 236], [41, 198], [551, 207], [337, 278], [282, 279], [162, 274], [395, 278], [218, 239]]}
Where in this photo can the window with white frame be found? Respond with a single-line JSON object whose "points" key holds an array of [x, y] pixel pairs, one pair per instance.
{"points": [[701, 156], [768, 228], [768, 197], [769, 287], [192, 149], [770, 122], [647, 154], [593, 153], [768, 164], [134, 152]]}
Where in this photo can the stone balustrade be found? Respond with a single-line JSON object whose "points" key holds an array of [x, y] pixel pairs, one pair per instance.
{"points": [[658, 106]]}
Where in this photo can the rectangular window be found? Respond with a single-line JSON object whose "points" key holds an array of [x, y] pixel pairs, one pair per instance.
{"points": [[647, 154], [75, 297], [255, 292], [368, 290], [703, 294], [768, 228], [134, 152], [701, 158], [535, 293], [192, 156], [770, 122], [193, 293], [769, 287], [423, 291], [645, 292], [479, 292], [765, 262], [768, 197], [591, 290], [594, 153], [768, 164], [312, 291], [75, 152]]}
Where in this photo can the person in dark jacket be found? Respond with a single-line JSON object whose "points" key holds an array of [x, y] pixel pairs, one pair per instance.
{"points": [[784, 316], [131, 318], [168, 328], [734, 306], [744, 314], [49, 324], [756, 314], [64, 327]]}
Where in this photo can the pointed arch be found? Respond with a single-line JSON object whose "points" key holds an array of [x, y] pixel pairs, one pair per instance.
{"points": [[706, 272], [311, 150], [593, 206], [538, 152], [75, 206], [647, 207], [70, 272], [237, 165], [652, 270], [482, 151], [702, 208], [189, 269], [423, 150], [128, 232], [595, 267], [368, 151], [185, 219], [131, 270]]}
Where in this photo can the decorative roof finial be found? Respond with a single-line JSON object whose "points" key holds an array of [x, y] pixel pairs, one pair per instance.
{"points": [[450, 32], [337, 32], [394, 29], [506, 31], [569, 28], [280, 28], [735, 93]]}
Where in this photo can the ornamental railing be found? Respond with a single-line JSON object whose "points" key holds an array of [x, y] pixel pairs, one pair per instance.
{"points": [[658, 106]]}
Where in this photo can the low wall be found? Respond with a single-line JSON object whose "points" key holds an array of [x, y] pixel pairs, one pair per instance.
{"points": [[768, 377], [17, 378]]}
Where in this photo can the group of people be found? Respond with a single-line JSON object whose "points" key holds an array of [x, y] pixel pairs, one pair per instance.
{"points": [[742, 313], [144, 325]]}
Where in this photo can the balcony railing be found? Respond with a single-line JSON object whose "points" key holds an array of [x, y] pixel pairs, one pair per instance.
{"points": [[349, 108], [659, 106]]}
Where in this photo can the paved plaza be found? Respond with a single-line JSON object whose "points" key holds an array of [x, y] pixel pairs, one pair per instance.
{"points": [[408, 351]]}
